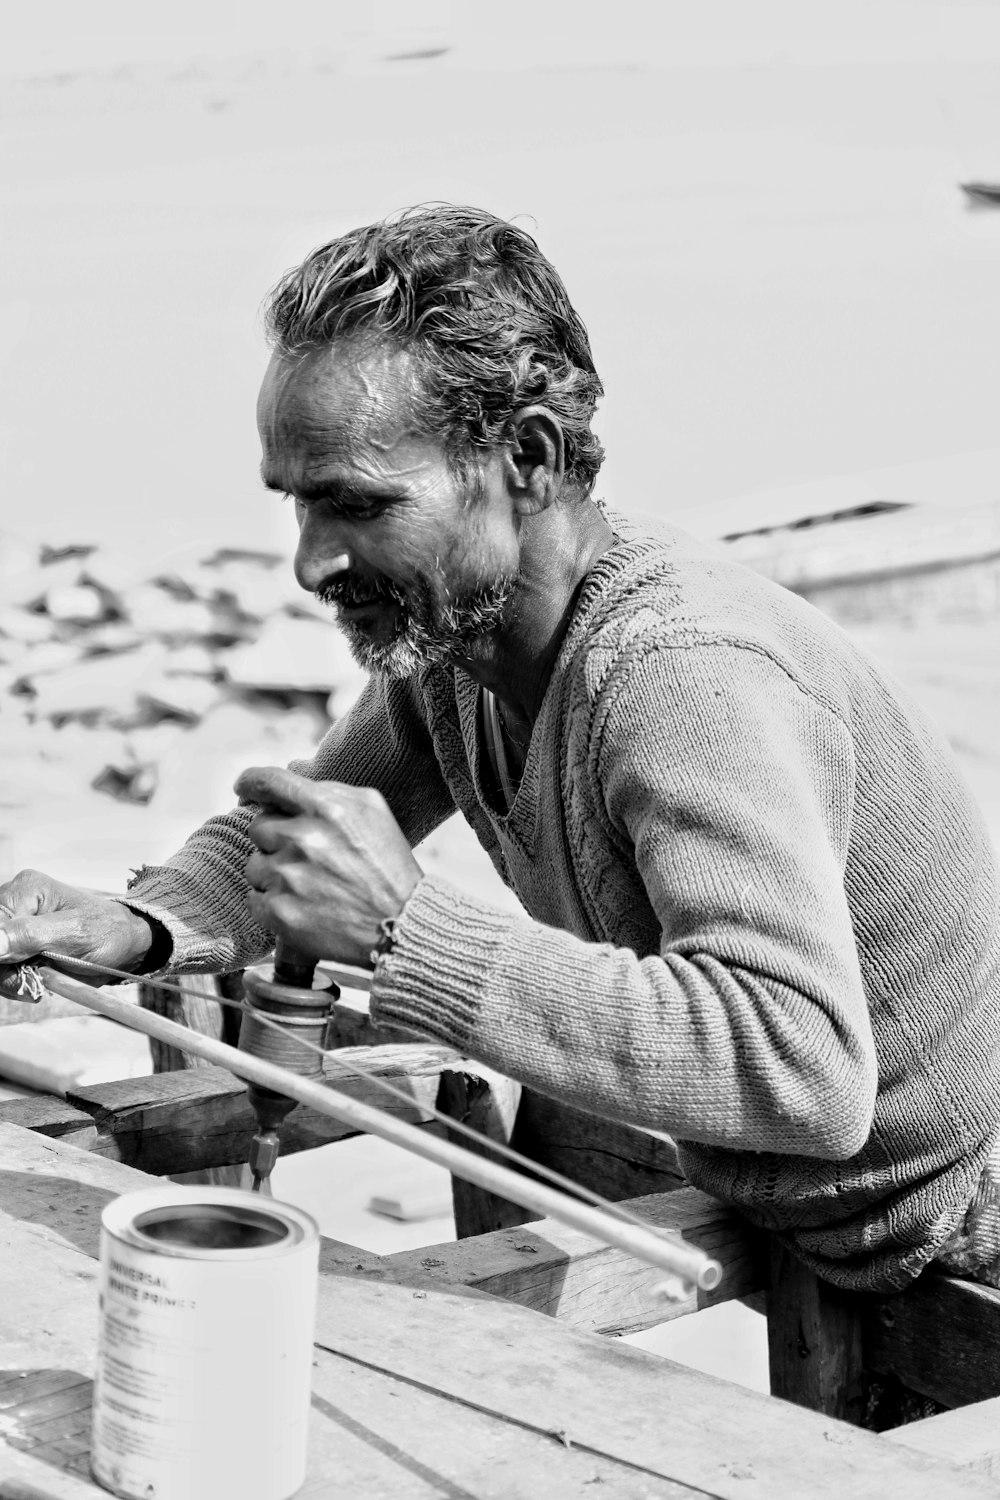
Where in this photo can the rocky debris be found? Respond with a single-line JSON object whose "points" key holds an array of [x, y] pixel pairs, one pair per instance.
{"points": [[115, 671], [74, 603], [18, 625]]}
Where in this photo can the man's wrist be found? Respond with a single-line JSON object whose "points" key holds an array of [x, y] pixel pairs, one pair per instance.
{"points": [[154, 944]]}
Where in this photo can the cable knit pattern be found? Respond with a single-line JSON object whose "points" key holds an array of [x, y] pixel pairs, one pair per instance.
{"points": [[763, 904]]}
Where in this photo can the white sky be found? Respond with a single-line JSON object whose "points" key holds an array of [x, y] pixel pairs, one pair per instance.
{"points": [[50, 35]]}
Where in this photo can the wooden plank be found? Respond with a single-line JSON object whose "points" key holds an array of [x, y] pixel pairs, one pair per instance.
{"points": [[50, 1115], [371, 1434], [880, 546], [487, 1103], [337, 1258], [616, 1401], [970, 1436], [349, 1027], [58, 1190], [941, 1337], [48, 1292], [347, 976], [814, 1336], [558, 1271], [179, 1122], [374, 1435], [26, 1477], [438, 1357]]}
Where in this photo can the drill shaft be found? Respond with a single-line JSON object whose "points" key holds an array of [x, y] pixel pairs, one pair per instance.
{"points": [[292, 968], [285, 992]]}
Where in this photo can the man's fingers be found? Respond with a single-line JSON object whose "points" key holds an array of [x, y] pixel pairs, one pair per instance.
{"points": [[260, 873], [27, 892], [284, 791], [268, 832], [22, 938]]}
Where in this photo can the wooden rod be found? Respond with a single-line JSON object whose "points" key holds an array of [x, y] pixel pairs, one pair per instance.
{"points": [[684, 1263]]}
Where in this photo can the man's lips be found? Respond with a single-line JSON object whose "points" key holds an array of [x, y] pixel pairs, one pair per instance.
{"points": [[363, 606], [356, 597], [356, 602]]}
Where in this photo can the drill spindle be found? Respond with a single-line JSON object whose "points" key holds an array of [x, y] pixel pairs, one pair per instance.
{"points": [[286, 992]]}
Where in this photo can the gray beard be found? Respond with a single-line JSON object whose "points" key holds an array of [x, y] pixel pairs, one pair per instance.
{"points": [[429, 634]]}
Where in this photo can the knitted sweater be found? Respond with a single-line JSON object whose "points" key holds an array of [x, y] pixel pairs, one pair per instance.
{"points": [[763, 904]]}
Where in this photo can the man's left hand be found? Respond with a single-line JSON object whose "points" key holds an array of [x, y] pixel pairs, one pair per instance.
{"points": [[332, 863]]}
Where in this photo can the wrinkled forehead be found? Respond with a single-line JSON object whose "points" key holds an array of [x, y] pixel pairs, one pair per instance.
{"points": [[336, 398]]}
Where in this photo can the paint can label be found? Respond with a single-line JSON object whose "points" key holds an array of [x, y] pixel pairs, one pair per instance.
{"points": [[207, 1307]]}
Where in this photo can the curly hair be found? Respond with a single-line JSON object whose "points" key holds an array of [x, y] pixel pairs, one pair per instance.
{"points": [[474, 302]]}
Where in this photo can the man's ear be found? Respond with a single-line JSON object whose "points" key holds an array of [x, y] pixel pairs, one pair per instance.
{"points": [[536, 459]]}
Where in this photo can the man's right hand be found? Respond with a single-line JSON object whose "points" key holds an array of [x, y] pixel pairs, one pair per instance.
{"points": [[38, 913]]}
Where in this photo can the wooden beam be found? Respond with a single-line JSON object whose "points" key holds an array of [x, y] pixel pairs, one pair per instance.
{"points": [[969, 1436], [941, 1337], [814, 1336], [180, 1122], [614, 1160], [556, 1270]]}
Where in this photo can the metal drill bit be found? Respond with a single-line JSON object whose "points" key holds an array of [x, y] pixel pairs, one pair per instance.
{"points": [[263, 1155]]}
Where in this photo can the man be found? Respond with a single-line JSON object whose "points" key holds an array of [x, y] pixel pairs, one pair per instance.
{"points": [[763, 906]]}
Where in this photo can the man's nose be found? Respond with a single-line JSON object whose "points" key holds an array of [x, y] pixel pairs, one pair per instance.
{"points": [[320, 554]]}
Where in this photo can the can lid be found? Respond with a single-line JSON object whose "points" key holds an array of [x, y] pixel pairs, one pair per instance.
{"points": [[208, 1223]]}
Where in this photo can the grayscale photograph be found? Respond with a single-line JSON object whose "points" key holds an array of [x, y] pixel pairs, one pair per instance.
{"points": [[500, 746]]}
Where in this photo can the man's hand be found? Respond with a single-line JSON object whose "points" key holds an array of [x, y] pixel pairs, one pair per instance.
{"points": [[38, 913], [332, 863]]}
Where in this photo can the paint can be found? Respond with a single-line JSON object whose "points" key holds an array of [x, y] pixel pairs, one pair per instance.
{"points": [[204, 1360]]}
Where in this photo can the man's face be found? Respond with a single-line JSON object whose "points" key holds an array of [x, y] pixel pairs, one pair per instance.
{"points": [[419, 564]]}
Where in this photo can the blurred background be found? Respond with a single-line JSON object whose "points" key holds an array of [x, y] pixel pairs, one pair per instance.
{"points": [[757, 207]]}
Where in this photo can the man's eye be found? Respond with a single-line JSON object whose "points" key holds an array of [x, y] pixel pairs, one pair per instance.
{"points": [[364, 510], [342, 508], [355, 507]]}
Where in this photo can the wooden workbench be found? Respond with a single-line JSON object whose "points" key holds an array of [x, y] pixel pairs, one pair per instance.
{"points": [[419, 1389]]}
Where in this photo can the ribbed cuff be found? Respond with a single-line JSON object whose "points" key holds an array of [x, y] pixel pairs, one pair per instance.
{"points": [[433, 979], [200, 941]]}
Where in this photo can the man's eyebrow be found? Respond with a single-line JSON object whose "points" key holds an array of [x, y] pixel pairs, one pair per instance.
{"points": [[337, 490]]}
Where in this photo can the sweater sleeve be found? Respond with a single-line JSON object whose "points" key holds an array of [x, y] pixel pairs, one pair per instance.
{"points": [[729, 790], [200, 893]]}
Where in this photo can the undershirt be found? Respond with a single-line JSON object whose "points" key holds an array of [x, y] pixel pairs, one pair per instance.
{"points": [[496, 751]]}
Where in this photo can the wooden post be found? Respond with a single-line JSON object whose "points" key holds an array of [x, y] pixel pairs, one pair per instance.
{"points": [[194, 1008], [488, 1104], [814, 1334]]}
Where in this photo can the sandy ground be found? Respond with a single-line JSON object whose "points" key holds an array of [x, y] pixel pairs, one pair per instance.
{"points": [[757, 214]]}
